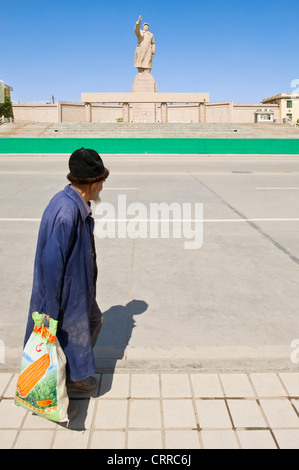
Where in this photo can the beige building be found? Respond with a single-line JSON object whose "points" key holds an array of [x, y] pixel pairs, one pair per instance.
{"points": [[145, 104], [164, 111], [4, 91], [7, 89], [288, 105]]}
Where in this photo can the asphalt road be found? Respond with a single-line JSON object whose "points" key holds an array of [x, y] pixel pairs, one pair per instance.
{"points": [[231, 303]]}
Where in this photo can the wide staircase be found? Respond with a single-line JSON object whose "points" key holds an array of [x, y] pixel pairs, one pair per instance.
{"points": [[148, 130]]}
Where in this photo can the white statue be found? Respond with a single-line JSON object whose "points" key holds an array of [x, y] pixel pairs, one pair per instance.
{"points": [[145, 49]]}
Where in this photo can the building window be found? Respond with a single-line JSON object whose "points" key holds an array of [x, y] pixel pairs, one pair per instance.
{"points": [[289, 104], [290, 117]]}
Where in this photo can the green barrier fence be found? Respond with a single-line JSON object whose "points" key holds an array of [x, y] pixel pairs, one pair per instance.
{"points": [[150, 146]]}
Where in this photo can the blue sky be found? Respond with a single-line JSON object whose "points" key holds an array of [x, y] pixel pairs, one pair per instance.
{"points": [[234, 50]]}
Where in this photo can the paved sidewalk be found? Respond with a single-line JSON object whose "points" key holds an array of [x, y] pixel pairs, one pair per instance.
{"points": [[165, 411]]}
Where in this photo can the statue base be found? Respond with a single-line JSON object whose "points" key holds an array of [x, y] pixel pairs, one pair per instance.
{"points": [[144, 112], [144, 83]]}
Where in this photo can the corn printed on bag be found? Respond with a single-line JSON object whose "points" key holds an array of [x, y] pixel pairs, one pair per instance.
{"points": [[41, 386]]}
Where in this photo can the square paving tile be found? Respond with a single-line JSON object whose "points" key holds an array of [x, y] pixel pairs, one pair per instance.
{"points": [[71, 439], [115, 386], [84, 418], [280, 413], [175, 385], [108, 440], [287, 438], [267, 385], [256, 439], [295, 402], [111, 414], [246, 413], [145, 386], [7, 438], [4, 380], [145, 414], [33, 421], [11, 416], [178, 414], [145, 440], [213, 414], [182, 439], [219, 439], [11, 389], [291, 382], [237, 385], [206, 385], [30, 439]]}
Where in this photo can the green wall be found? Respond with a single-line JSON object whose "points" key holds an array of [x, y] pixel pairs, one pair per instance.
{"points": [[139, 146]]}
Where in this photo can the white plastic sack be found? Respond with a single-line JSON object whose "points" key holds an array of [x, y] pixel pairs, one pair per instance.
{"points": [[41, 386]]}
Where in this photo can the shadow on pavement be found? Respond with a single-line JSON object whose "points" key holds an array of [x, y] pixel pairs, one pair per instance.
{"points": [[111, 345]]}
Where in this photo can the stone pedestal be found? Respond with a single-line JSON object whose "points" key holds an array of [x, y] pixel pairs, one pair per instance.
{"points": [[144, 112]]}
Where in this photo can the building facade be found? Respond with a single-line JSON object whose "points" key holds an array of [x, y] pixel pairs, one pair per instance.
{"points": [[4, 91], [151, 106], [288, 105], [204, 112]]}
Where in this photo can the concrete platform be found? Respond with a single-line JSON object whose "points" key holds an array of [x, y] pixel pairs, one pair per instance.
{"points": [[165, 411], [148, 130]]}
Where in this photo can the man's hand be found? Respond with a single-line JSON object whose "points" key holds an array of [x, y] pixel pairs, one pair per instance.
{"points": [[139, 19]]}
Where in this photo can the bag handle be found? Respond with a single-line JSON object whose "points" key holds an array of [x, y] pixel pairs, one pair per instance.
{"points": [[45, 326]]}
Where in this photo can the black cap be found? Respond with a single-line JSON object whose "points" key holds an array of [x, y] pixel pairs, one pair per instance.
{"points": [[86, 163]]}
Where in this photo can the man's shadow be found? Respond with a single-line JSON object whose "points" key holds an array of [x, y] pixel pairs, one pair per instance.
{"points": [[110, 348], [116, 334]]}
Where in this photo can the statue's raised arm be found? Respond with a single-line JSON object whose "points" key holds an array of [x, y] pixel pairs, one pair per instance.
{"points": [[137, 26]]}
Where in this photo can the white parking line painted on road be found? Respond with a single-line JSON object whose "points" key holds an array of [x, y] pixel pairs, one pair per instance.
{"points": [[18, 219], [159, 173], [294, 219], [119, 189], [270, 189]]}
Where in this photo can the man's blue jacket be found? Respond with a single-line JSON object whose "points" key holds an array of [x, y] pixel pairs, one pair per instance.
{"points": [[63, 281]]}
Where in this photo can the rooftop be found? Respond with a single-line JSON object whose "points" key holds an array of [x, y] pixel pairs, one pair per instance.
{"points": [[281, 96]]}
